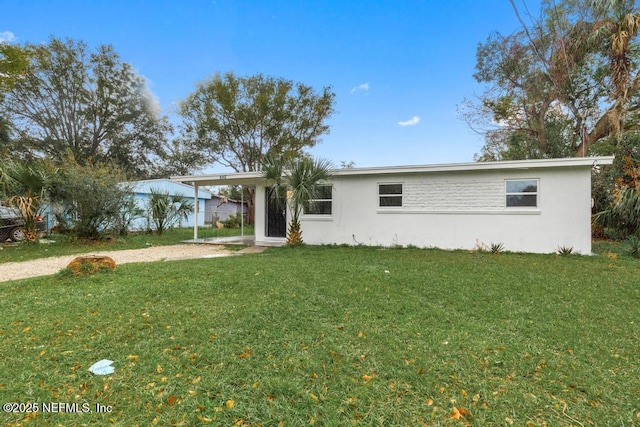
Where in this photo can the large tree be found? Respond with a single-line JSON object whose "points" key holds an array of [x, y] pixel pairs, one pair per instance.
{"points": [[238, 121], [562, 85], [91, 104]]}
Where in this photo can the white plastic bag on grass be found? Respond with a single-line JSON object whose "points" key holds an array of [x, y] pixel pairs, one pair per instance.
{"points": [[102, 367]]}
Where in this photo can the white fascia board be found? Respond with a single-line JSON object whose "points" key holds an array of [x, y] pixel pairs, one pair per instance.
{"points": [[480, 166], [252, 178], [234, 178]]}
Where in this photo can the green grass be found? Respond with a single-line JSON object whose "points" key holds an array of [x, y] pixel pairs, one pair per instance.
{"points": [[332, 336], [65, 245]]}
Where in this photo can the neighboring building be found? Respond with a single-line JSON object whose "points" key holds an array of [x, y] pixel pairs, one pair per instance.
{"points": [[142, 191], [527, 205], [220, 208]]}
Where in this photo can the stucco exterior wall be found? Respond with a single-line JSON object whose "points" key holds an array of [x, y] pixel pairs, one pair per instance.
{"points": [[458, 210]]}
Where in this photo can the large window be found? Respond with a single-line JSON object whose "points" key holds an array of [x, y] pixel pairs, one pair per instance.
{"points": [[522, 193], [322, 204], [389, 195]]}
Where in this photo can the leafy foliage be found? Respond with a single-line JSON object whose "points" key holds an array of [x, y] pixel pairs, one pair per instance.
{"points": [[497, 248], [623, 213], [634, 246], [14, 61], [559, 86], [234, 221], [565, 250], [89, 103], [167, 210], [26, 186], [89, 198], [237, 121]]}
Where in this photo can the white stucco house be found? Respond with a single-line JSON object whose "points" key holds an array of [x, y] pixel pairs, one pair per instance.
{"points": [[527, 205], [142, 192]]}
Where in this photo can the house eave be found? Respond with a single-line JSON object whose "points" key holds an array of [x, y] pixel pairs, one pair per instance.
{"points": [[480, 166], [255, 178], [240, 178]]}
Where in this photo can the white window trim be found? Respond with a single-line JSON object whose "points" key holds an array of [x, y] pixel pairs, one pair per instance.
{"points": [[318, 216], [537, 194], [401, 195]]}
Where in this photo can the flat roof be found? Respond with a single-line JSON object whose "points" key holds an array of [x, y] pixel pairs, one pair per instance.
{"points": [[253, 178]]}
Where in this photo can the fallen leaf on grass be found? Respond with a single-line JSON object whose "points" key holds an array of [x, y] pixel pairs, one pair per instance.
{"points": [[230, 403], [457, 413], [247, 352], [171, 400], [428, 402]]}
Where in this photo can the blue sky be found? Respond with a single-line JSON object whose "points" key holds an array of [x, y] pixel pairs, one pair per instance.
{"points": [[399, 68]]}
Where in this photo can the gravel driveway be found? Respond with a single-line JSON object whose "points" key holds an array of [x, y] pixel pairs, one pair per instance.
{"points": [[47, 266]]}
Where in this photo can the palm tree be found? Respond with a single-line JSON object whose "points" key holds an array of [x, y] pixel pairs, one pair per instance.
{"points": [[168, 209], [25, 186], [617, 23], [301, 179]]}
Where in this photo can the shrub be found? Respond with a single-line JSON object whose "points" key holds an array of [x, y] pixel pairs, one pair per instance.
{"points": [[634, 246], [234, 221], [565, 250], [90, 198], [497, 248], [166, 210]]}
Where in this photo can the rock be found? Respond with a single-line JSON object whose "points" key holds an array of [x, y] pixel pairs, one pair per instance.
{"points": [[90, 264]]}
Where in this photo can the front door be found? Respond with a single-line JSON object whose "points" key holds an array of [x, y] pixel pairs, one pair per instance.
{"points": [[276, 213]]}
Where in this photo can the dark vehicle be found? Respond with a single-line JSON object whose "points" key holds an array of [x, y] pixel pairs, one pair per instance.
{"points": [[11, 225]]}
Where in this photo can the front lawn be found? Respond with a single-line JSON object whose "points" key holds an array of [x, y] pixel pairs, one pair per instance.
{"points": [[331, 336]]}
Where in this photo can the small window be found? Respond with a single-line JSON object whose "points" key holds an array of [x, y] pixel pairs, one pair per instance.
{"points": [[389, 195], [322, 203], [522, 193]]}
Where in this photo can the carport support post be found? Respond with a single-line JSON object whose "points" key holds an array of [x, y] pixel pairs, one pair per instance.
{"points": [[241, 210], [195, 211]]}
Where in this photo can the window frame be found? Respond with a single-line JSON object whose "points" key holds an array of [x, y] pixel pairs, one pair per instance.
{"points": [[391, 195], [507, 193], [321, 200]]}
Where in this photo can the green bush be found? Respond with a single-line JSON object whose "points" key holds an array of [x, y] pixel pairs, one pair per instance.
{"points": [[90, 198], [234, 221]]}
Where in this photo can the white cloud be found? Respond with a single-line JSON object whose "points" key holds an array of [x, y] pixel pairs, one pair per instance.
{"points": [[363, 86], [6, 36], [411, 122]]}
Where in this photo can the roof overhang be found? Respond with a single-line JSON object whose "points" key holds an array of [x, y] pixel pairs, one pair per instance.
{"points": [[481, 166], [241, 178], [254, 178]]}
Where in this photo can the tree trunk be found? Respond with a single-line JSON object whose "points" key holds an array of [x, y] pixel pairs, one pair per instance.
{"points": [[250, 197], [609, 124]]}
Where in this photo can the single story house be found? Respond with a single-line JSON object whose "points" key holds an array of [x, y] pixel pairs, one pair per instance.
{"points": [[526, 205], [220, 208], [142, 193]]}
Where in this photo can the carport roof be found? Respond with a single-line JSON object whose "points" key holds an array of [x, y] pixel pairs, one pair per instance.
{"points": [[232, 178]]}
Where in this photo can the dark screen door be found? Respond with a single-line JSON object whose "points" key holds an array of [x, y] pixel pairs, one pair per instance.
{"points": [[276, 213]]}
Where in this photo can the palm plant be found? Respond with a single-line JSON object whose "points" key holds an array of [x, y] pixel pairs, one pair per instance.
{"points": [[301, 179], [25, 186], [617, 24], [166, 209]]}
